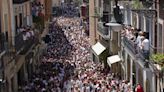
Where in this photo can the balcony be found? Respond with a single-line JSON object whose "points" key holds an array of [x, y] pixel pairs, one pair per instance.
{"points": [[27, 45], [103, 31], [138, 52], [129, 43], [161, 9], [23, 46], [19, 42], [19, 1]]}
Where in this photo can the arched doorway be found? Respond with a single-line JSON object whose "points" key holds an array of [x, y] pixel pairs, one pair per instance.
{"points": [[134, 76], [29, 64], [128, 67], [140, 77], [147, 83]]}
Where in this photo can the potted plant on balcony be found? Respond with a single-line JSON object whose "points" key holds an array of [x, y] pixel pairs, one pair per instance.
{"points": [[158, 59], [137, 4]]}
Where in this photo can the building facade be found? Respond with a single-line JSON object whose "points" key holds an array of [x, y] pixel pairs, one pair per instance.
{"points": [[131, 63], [20, 43]]}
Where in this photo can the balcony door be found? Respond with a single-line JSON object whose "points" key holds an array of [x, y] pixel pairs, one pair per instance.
{"points": [[16, 24], [20, 19]]}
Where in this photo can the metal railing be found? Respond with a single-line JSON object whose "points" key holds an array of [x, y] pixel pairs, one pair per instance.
{"points": [[130, 44], [19, 42], [23, 46]]}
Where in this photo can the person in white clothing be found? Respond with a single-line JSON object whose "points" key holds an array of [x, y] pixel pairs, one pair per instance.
{"points": [[145, 47], [138, 40]]}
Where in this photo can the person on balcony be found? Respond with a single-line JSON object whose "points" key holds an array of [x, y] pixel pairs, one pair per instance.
{"points": [[138, 40], [145, 47], [129, 33]]}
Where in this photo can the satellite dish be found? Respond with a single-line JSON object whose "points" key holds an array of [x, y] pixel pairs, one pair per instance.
{"points": [[147, 3]]}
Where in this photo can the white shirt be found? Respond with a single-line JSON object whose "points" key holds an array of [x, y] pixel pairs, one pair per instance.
{"points": [[138, 40], [24, 37], [145, 44]]}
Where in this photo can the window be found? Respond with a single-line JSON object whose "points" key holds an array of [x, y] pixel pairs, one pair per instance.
{"points": [[129, 16], [128, 67], [134, 20], [163, 39], [159, 49], [20, 19], [147, 25], [1, 63], [123, 54], [6, 22], [0, 21], [151, 33], [107, 1], [161, 9], [140, 18], [142, 23], [100, 3], [6, 27], [140, 77]]}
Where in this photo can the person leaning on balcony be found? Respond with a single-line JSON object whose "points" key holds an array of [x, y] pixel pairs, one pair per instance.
{"points": [[145, 46], [133, 31], [138, 40], [129, 34]]}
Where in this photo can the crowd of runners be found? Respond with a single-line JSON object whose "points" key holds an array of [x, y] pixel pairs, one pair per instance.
{"points": [[66, 65]]}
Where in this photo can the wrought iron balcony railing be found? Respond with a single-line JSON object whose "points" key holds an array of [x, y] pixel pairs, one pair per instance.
{"points": [[27, 46], [23, 46], [103, 31], [130, 44], [19, 42]]}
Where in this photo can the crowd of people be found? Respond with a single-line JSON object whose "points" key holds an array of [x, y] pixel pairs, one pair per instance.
{"points": [[66, 65], [70, 10], [138, 38], [37, 8]]}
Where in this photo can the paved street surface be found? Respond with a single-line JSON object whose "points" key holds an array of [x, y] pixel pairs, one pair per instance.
{"points": [[66, 64]]}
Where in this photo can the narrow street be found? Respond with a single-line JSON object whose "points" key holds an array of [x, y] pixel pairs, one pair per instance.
{"points": [[66, 65]]}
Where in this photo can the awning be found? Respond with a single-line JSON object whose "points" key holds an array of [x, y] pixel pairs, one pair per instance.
{"points": [[113, 59], [98, 48]]}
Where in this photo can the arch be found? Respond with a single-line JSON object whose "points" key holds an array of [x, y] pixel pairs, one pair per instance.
{"points": [[134, 73], [147, 84], [140, 77], [128, 67]]}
